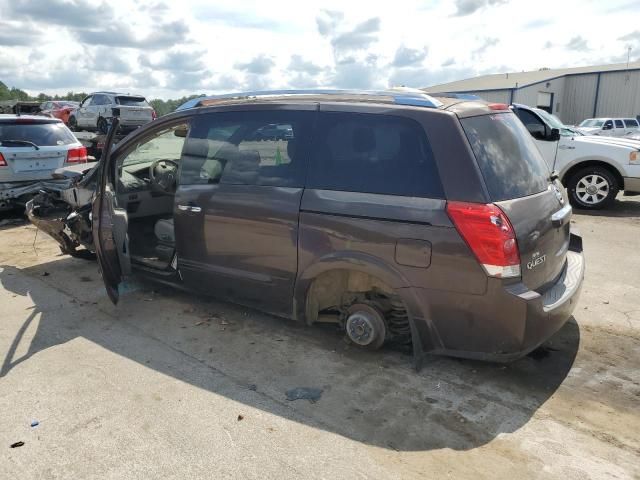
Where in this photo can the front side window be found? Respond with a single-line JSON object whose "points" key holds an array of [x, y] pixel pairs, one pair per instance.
{"points": [[534, 125], [371, 153], [608, 124], [247, 148], [165, 145]]}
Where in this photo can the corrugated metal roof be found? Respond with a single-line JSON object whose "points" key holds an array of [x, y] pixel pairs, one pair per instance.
{"points": [[502, 81]]}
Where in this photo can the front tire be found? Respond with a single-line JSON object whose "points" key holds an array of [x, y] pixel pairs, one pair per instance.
{"points": [[592, 188], [73, 123]]}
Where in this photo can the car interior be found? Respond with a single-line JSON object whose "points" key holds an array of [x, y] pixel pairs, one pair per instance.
{"points": [[148, 176], [146, 189]]}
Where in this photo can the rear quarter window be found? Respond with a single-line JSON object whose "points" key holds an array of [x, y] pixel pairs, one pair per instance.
{"points": [[42, 134], [509, 160], [371, 153]]}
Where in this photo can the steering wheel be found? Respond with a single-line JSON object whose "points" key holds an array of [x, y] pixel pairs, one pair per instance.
{"points": [[163, 175]]}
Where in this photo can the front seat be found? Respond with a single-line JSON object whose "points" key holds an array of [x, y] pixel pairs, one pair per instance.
{"points": [[166, 237]]}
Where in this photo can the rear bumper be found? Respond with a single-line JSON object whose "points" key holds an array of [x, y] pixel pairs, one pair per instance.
{"points": [[505, 323]]}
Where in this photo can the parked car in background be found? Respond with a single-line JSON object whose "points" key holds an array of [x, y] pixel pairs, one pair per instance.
{"points": [[610, 127], [31, 149], [18, 107], [97, 110], [594, 169], [383, 212], [61, 109]]}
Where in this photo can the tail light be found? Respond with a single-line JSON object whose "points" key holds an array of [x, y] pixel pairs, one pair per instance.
{"points": [[77, 155], [3, 162], [489, 234], [154, 115], [498, 106]]}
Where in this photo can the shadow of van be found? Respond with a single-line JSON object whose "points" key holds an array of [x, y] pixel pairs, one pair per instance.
{"points": [[373, 398]]}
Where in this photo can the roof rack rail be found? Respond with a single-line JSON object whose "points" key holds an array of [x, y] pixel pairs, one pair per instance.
{"points": [[408, 97]]}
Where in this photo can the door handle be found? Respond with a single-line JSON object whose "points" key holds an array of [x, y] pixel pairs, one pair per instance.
{"points": [[566, 147], [189, 208]]}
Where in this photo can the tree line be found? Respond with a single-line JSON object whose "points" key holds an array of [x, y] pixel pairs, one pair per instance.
{"points": [[162, 107]]}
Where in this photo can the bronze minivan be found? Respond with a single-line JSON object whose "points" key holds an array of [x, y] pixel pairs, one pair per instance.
{"points": [[398, 216]]}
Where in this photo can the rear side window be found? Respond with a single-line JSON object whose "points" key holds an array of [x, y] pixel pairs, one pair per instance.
{"points": [[132, 101], [619, 124], [248, 148], [372, 154], [510, 162], [42, 134], [630, 123]]}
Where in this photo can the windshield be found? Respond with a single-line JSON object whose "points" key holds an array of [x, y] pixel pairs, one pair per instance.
{"points": [[555, 122], [592, 122], [132, 101], [511, 164], [42, 134]]}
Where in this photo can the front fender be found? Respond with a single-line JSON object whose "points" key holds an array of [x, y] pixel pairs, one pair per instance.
{"points": [[591, 158]]}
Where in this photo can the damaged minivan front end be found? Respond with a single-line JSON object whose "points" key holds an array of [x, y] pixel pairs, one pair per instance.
{"points": [[65, 213]]}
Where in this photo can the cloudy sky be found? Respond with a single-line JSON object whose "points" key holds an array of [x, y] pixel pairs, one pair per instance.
{"points": [[168, 49]]}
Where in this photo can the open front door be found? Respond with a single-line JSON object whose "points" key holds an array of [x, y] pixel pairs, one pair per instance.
{"points": [[110, 224]]}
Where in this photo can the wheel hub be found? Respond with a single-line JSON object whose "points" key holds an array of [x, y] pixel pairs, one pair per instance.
{"points": [[592, 189], [360, 328]]}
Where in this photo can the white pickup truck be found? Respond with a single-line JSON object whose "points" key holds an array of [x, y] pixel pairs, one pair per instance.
{"points": [[593, 168]]}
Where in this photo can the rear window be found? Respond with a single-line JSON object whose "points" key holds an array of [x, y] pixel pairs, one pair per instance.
{"points": [[630, 123], [42, 134], [370, 153], [510, 162], [132, 101]]}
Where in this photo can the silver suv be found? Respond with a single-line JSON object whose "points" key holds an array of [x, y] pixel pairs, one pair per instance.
{"points": [[96, 111], [31, 149]]}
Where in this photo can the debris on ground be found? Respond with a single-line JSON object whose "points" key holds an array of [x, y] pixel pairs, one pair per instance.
{"points": [[45, 274], [35, 423], [17, 444], [240, 417], [304, 393], [253, 387], [201, 322]]}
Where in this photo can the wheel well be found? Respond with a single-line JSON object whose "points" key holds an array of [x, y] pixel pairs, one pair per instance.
{"points": [[332, 292], [594, 163], [329, 288]]}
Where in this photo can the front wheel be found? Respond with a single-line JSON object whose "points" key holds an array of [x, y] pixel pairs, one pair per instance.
{"points": [[73, 123], [592, 188]]}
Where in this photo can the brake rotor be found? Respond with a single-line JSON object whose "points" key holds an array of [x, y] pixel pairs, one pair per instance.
{"points": [[365, 326]]}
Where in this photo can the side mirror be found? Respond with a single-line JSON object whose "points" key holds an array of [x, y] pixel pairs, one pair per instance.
{"points": [[607, 127], [554, 135]]}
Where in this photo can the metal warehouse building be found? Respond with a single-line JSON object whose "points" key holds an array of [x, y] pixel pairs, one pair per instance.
{"points": [[572, 94]]}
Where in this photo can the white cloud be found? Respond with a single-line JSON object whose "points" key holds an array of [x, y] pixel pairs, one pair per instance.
{"points": [[170, 49]]}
